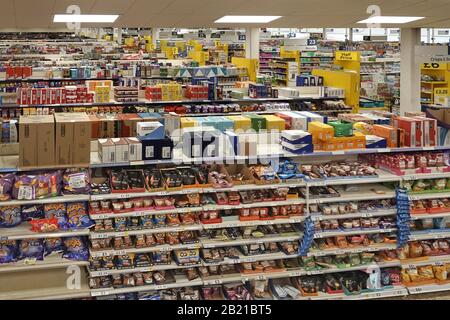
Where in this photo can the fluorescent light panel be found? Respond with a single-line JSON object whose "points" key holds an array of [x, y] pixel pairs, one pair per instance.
{"points": [[89, 18], [247, 19], [390, 19]]}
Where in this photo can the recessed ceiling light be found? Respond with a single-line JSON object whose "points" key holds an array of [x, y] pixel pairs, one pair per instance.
{"points": [[247, 19], [92, 18], [390, 19]]}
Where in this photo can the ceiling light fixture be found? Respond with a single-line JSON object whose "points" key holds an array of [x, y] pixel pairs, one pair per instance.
{"points": [[88, 18], [247, 19], [390, 19]]}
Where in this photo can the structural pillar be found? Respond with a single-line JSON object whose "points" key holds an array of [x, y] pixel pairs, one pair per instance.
{"points": [[409, 70], [119, 35], [252, 43], [155, 36]]}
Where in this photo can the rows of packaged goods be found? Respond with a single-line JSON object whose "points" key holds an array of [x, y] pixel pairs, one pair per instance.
{"points": [[135, 235]]}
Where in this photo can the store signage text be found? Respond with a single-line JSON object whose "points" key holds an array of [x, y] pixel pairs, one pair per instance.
{"points": [[346, 56]]}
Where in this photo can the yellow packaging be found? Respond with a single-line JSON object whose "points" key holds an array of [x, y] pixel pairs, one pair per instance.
{"points": [[274, 123], [241, 123], [328, 146], [187, 122], [358, 141], [321, 131]]}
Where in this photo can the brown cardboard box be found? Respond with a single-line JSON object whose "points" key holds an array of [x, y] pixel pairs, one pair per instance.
{"points": [[37, 141], [96, 129], [64, 139], [46, 141], [108, 126], [127, 125], [81, 154], [27, 145]]}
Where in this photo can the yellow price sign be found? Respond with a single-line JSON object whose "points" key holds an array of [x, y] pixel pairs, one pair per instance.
{"points": [[347, 56], [441, 91], [434, 66]]}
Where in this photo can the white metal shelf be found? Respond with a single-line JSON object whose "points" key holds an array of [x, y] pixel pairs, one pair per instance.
{"points": [[23, 231], [425, 235], [54, 261], [425, 196], [165, 248], [234, 222], [364, 193], [426, 261], [209, 243], [101, 216], [429, 215], [66, 198], [326, 234], [368, 214], [104, 235], [359, 249], [429, 288], [396, 291]]}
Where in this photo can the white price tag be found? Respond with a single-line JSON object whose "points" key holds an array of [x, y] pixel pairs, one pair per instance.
{"points": [[120, 252], [123, 196], [235, 261], [99, 236], [336, 153], [317, 236], [417, 290], [295, 274], [102, 273], [313, 272], [367, 215], [139, 213], [439, 263], [261, 277], [161, 287], [100, 293], [413, 198], [30, 261], [319, 183], [3, 238], [164, 248], [100, 216]]}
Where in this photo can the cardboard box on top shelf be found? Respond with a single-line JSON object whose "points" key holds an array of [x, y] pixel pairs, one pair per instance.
{"points": [[108, 126], [82, 140], [126, 126], [73, 138], [37, 146], [96, 126]]}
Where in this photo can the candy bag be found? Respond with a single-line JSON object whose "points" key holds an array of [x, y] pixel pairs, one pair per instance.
{"points": [[44, 225], [75, 249], [78, 217], [53, 245], [58, 212], [10, 216], [30, 212], [8, 251], [76, 181], [6, 185], [31, 249]]}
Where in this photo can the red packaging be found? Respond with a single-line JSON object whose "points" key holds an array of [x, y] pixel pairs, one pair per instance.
{"points": [[18, 72], [44, 225], [429, 131], [10, 72], [413, 131]]}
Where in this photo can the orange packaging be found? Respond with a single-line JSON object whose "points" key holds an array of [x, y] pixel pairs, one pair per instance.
{"points": [[413, 136], [389, 133], [127, 124], [429, 131], [96, 127]]}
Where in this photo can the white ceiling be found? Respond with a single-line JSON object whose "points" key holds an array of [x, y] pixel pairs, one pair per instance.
{"points": [[26, 14]]}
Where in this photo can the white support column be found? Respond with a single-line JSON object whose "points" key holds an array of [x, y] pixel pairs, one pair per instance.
{"points": [[252, 43], [410, 70], [350, 35], [119, 36], [155, 36], [324, 33]]}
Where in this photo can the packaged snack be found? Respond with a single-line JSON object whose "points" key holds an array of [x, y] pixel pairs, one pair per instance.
{"points": [[10, 216], [172, 238], [75, 249], [78, 216], [120, 224], [53, 245], [6, 185], [76, 181], [32, 212], [57, 211], [159, 220], [8, 251], [125, 261], [44, 225], [173, 220], [440, 272], [31, 249]]}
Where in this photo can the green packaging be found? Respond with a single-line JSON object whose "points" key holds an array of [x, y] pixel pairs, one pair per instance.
{"points": [[342, 129]]}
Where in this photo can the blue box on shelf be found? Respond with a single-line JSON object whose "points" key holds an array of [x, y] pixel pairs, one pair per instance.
{"points": [[160, 149]]}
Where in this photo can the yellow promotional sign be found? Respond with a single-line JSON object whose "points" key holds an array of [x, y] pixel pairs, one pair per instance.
{"points": [[347, 56], [434, 66], [441, 96]]}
